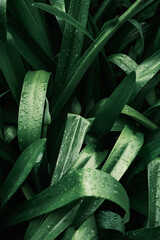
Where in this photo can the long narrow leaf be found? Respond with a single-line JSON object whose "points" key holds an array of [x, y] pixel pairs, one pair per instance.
{"points": [[32, 107], [154, 192], [21, 169], [64, 16], [74, 186], [111, 110], [86, 231], [72, 141], [123, 153], [11, 66], [89, 56]]}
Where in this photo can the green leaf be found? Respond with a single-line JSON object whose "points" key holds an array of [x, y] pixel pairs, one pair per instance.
{"points": [[154, 192], [31, 24], [43, 28], [140, 97], [72, 141], [88, 57], [32, 107], [146, 71], [74, 186], [71, 47], [108, 220], [117, 163], [128, 111], [140, 118], [137, 25], [11, 66], [64, 16], [3, 22], [21, 169], [148, 152], [28, 47], [50, 226], [124, 62], [90, 157], [141, 234], [123, 153], [111, 110], [86, 231]]}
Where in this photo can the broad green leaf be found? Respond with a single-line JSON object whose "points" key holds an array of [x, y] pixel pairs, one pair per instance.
{"points": [[141, 234], [123, 153], [88, 57], [21, 169], [3, 21], [32, 107], [11, 66], [7, 152], [154, 192], [72, 141], [74, 186], [111, 109], [64, 16], [108, 220], [86, 231], [124, 62]]}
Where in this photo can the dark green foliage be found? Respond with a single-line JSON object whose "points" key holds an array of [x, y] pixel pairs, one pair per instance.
{"points": [[79, 119]]}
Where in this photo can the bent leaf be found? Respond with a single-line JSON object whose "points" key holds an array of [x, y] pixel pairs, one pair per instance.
{"points": [[64, 16], [74, 186]]}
